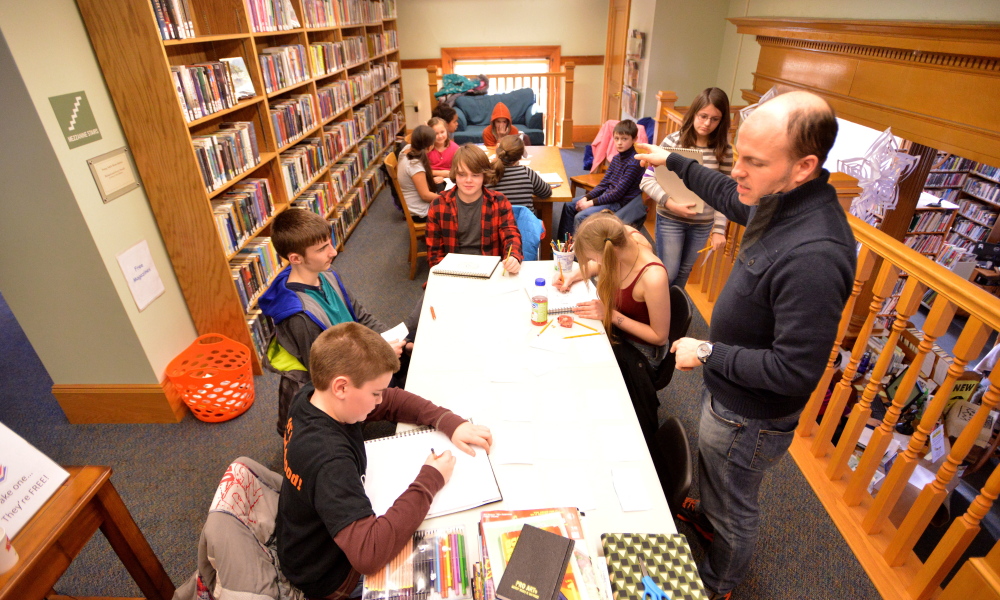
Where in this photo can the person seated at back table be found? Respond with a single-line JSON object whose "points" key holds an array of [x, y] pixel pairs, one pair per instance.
{"points": [[306, 298], [447, 114], [471, 219], [444, 148], [500, 125], [518, 183], [415, 174], [619, 185], [327, 533]]}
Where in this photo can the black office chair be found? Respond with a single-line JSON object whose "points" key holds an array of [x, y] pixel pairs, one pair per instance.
{"points": [[680, 320], [674, 466]]}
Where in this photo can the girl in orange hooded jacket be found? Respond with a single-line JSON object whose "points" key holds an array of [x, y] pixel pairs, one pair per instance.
{"points": [[500, 125]]}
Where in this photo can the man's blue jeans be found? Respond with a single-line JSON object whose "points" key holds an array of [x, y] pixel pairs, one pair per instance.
{"points": [[677, 246], [734, 452]]}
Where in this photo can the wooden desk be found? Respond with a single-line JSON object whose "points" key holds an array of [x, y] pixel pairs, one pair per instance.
{"points": [[56, 534], [580, 409], [548, 159]]}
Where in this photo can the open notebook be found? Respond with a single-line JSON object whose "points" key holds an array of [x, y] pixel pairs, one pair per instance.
{"points": [[393, 464], [467, 265], [561, 303], [673, 185]]}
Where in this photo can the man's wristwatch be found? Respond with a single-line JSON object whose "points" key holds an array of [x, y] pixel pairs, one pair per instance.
{"points": [[704, 351]]}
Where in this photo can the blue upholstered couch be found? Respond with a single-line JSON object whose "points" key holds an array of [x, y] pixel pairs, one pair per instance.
{"points": [[474, 115]]}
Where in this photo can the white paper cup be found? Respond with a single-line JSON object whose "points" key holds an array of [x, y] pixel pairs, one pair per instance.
{"points": [[564, 260], [8, 556]]}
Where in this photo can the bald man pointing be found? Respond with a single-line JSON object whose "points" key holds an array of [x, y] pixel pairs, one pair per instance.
{"points": [[774, 321]]}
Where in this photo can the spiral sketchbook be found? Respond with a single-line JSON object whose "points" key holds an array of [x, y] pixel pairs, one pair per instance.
{"points": [[563, 302], [467, 265], [668, 559], [393, 464], [673, 185]]}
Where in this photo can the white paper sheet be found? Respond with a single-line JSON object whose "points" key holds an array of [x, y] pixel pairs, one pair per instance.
{"points": [[143, 279], [633, 495], [396, 333]]}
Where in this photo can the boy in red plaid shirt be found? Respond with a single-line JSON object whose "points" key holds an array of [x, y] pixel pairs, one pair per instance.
{"points": [[470, 219]]}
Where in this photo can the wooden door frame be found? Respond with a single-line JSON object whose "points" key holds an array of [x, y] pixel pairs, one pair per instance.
{"points": [[609, 52]]}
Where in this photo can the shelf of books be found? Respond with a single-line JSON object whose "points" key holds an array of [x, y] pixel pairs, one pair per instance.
{"points": [[237, 110]]}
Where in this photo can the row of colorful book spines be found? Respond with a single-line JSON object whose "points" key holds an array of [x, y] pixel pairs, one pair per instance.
{"points": [[333, 102], [173, 18], [952, 179], [239, 136], [358, 12], [279, 73], [319, 198], [972, 230], [271, 15], [253, 195], [297, 172], [250, 282], [204, 89], [951, 254], [930, 221], [237, 221], [956, 163], [976, 211], [291, 122], [260, 250], [261, 329], [222, 159], [923, 243], [983, 189], [311, 153]]}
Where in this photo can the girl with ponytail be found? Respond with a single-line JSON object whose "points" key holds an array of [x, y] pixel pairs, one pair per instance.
{"points": [[632, 285], [517, 182]]}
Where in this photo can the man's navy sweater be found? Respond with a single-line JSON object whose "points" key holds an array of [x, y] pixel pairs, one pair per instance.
{"points": [[776, 319]]}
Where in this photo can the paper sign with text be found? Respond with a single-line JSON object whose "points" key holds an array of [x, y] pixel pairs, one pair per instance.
{"points": [[141, 274], [27, 479]]}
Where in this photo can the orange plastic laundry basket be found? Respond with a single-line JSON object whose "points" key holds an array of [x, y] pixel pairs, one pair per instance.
{"points": [[214, 378]]}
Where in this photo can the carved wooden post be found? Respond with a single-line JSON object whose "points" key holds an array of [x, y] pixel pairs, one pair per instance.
{"points": [[664, 100], [969, 345], [807, 420], [940, 316], [909, 300], [432, 82], [886, 280], [567, 107], [963, 529], [934, 493]]}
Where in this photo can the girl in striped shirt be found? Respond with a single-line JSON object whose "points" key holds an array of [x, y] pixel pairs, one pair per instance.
{"points": [[517, 182], [680, 231]]}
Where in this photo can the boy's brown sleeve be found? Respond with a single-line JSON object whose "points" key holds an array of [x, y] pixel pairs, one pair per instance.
{"points": [[370, 543], [401, 406]]}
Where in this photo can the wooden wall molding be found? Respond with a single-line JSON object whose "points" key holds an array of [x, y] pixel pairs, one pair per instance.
{"points": [[120, 403], [582, 60], [901, 55], [584, 134], [933, 83]]}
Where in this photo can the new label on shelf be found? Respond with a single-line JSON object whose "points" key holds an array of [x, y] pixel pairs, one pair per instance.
{"points": [[75, 118]]}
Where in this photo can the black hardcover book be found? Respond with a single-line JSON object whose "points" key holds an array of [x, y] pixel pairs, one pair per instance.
{"points": [[537, 566]]}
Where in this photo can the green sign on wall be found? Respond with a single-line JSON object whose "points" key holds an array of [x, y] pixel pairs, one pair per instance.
{"points": [[75, 118]]}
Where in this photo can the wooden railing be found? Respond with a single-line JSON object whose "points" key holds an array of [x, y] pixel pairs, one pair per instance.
{"points": [[885, 546], [556, 99]]}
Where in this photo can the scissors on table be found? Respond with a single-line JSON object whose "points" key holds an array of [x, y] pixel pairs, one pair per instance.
{"points": [[650, 591]]}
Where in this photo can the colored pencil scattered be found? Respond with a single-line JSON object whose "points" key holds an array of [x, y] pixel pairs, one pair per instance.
{"points": [[433, 314], [569, 337], [546, 327], [587, 326]]}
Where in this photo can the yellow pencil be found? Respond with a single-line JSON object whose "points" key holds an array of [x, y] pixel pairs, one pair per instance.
{"points": [[509, 250], [569, 337], [587, 326], [706, 248], [546, 327]]}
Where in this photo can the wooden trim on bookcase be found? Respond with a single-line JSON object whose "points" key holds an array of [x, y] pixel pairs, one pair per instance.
{"points": [[120, 403], [585, 133], [934, 83]]}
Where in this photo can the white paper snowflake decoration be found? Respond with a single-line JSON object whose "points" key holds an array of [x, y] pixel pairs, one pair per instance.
{"points": [[744, 113], [878, 172]]}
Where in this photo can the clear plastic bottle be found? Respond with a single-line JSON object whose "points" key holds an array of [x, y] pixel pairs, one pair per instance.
{"points": [[539, 304]]}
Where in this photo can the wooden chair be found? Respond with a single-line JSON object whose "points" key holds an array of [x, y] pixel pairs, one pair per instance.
{"points": [[417, 230], [681, 311], [587, 181]]}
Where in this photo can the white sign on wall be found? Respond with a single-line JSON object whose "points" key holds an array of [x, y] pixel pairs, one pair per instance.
{"points": [[27, 479], [141, 274]]}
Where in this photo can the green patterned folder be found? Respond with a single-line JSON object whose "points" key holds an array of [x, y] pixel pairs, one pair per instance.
{"points": [[668, 560]]}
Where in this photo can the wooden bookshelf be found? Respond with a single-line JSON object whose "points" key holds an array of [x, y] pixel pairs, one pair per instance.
{"points": [[137, 62]]}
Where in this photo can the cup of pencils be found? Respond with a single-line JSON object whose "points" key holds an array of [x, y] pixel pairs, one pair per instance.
{"points": [[562, 252]]}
